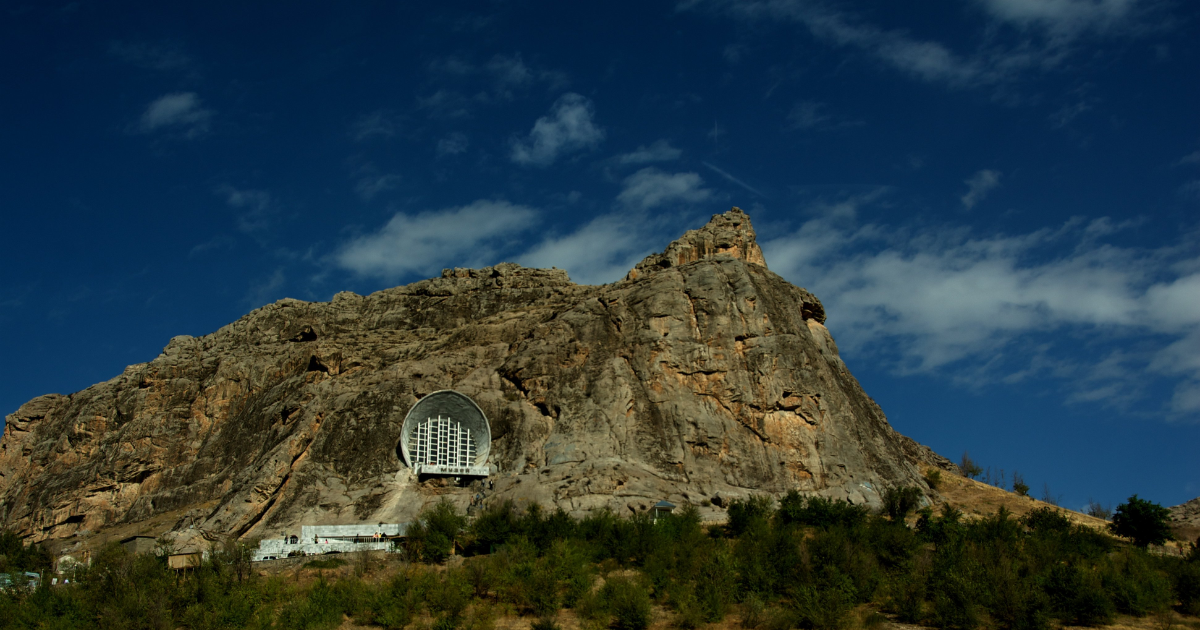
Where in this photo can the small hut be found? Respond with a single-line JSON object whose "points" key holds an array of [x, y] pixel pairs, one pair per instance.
{"points": [[139, 544], [184, 559], [662, 508]]}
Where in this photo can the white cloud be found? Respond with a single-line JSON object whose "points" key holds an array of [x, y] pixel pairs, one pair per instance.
{"points": [[451, 66], [427, 242], [379, 123], [979, 185], [1065, 17], [927, 60], [180, 111], [267, 290], [446, 104], [569, 127], [807, 115], [510, 72], [602, 251], [982, 308], [368, 186], [452, 144], [660, 151], [1060, 21], [507, 75], [650, 187], [1191, 189], [256, 205]]}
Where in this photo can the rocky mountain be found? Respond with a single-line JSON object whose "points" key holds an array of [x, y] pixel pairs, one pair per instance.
{"points": [[1185, 520], [701, 375]]}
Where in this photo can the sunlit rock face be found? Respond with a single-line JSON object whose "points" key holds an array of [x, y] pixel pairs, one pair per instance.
{"points": [[701, 375]]}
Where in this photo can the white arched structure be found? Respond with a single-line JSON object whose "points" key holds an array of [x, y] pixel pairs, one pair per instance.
{"points": [[446, 433]]}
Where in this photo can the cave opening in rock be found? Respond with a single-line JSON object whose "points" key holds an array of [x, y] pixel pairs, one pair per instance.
{"points": [[446, 433]]}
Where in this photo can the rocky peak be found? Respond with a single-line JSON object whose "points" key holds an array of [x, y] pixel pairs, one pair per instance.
{"points": [[728, 234], [713, 380], [514, 273]]}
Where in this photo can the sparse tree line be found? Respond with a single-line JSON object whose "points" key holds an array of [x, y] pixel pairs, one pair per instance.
{"points": [[799, 562], [971, 469]]}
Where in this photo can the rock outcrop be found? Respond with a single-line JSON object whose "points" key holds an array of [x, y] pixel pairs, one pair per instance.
{"points": [[702, 374], [1186, 514]]}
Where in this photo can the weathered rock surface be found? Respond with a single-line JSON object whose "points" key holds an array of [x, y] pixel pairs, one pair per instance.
{"points": [[1186, 514], [700, 375]]}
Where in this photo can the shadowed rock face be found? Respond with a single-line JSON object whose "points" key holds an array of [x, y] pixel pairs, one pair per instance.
{"points": [[701, 374]]}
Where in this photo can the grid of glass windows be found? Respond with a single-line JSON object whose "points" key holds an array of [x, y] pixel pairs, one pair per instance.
{"points": [[441, 442]]}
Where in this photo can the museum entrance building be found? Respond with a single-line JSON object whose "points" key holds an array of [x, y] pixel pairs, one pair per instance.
{"points": [[446, 433]]}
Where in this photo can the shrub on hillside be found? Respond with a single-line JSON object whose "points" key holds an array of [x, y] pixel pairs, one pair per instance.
{"points": [[899, 502], [1045, 520], [1185, 583], [933, 477], [1077, 597], [940, 529], [1097, 510], [1135, 587], [1018, 485], [825, 608], [743, 513], [431, 536], [627, 602], [968, 467], [17, 557], [1144, 522], [819, 512]]}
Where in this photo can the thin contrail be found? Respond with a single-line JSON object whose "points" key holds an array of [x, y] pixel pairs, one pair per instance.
{"points": [[735, 180]]}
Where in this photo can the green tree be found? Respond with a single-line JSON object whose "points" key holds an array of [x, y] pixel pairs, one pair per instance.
{"points": [[898, 502], [1144, 522], [1019, 485], [431, 537]]}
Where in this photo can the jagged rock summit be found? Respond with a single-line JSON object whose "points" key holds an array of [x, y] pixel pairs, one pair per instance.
{"points": [[701, 375]]}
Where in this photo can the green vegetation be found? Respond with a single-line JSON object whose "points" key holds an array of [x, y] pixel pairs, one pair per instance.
{"points": [[1018, 484], [17, 557], [804, 563], [1144, 522], [933, 477], [968, 467]]}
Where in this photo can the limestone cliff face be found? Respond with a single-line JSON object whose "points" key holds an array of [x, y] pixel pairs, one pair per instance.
{"points": [[701, 374]]}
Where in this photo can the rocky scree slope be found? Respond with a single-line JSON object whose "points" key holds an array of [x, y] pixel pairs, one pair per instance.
{"points": [[701, 375]]}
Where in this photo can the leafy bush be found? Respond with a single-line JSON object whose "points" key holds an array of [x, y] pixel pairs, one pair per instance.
{"points": [[1046, 520], [1019, 486], [906, 598], [321, 609], [825, 608], [628, 603], [1144, 522], [17, 557], [1077, 597], [753, 610], [1097, 510], [431, 536], [899, 502], [819, 512], [1134, 586], [933, 477], [1185, 579], [743, 513], [940, 530], [968, 467]]}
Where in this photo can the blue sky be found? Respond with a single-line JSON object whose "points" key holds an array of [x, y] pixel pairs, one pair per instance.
{"points": [[997, 200]]}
